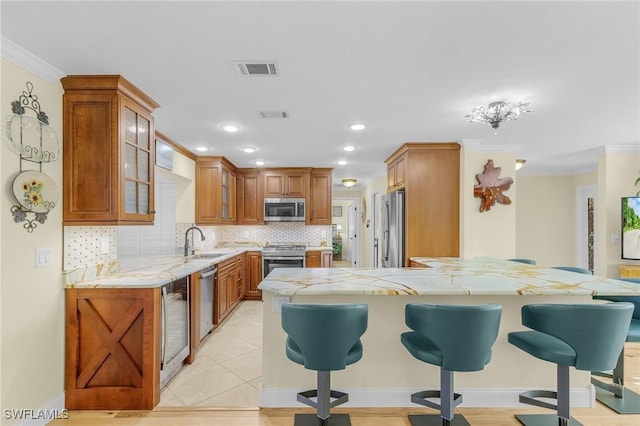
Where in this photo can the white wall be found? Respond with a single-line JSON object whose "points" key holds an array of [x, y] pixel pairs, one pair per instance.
{"points": [[546, 219], [493, 232], [617, 172], [32, 300]]}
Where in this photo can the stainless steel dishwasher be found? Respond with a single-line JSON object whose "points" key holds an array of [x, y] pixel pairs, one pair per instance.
{"points": [[207, 278]]}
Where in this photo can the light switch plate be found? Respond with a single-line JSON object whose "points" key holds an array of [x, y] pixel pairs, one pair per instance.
{"points": [[43, 257]]}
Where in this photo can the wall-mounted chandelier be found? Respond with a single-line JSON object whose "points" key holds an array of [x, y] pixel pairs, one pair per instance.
{"points": [[497, 112]]}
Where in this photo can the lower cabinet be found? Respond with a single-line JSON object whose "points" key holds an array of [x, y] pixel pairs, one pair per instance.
{"points": [[319, 259], [253, 275], [229, 287], [113, 338]]}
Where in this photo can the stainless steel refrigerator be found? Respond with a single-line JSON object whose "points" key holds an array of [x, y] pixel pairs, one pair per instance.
{"points": [[393, 230]]}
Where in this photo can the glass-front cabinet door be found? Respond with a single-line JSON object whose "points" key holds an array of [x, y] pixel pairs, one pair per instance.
{"points": [[138, 163]]}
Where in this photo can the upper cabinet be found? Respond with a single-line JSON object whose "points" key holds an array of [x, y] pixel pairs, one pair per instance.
{"points": [[429, 173], [249, 197], [320, 197], [286, 182], [396, 172], [215, 191], [108, 151]]}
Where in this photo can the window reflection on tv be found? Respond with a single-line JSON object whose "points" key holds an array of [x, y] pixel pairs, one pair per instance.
{"points": [[631, 228]]}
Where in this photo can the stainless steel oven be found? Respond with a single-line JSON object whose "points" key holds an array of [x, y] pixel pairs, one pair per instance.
{"points": [[282, 255]]}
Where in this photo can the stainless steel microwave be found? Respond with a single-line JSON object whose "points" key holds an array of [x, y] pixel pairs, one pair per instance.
{"points": [[284, 209]]}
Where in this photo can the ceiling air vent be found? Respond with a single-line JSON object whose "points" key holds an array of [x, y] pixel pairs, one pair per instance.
{"points": [[274, 114], [264, 68]]}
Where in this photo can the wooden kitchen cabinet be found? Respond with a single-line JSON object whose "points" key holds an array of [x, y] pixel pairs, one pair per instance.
{"points": [[286, 182], [249, 197], [396, 172], [253, 275], [320, 197], [113, 338], [215, 191], [108, 152], [229, 287], [429, 173], [318, 259]]}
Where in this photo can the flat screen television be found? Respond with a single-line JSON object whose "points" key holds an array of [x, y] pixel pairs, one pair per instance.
{"points": [[631, 228]]}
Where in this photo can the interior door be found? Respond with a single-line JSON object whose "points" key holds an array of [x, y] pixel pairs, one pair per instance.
{"points": [[352, 233]]}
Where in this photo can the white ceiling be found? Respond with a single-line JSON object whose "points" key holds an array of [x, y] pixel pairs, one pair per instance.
{"points": [[410, 71]]}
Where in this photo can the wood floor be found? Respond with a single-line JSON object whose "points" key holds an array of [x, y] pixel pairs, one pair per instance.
{"points": [[598, 416]]}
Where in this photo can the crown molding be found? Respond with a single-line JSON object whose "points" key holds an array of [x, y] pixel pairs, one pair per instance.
{"points": [[25, 59], [621, 149]]}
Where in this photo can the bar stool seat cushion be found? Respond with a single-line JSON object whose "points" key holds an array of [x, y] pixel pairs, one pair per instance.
{"points": [[545, 347], [456, 338], [589, 330], [294, 353], [324, 337]]}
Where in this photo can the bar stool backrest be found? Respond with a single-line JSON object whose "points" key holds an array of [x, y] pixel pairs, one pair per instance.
{"points": [[596, 332], [463, 333], [324, 333]]}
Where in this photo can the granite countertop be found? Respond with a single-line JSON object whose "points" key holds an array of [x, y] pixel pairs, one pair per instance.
{"points": [[444, 276], [149, 272], [155, 271]]}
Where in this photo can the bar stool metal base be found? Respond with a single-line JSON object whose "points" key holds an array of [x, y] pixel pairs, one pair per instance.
{"points": [[628, 404], [314, 420], [544, 420], [437, 420]]}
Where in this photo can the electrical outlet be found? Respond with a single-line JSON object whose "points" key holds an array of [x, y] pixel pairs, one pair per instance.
{"points": [[105, 245], [245, 234], [278, 301], [615, 238], [323, 234]]}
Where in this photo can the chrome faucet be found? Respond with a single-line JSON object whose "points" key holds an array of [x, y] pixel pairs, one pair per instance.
{"points": [[186, 239]]}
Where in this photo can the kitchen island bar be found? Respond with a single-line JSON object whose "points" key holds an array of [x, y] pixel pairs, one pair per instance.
{"points": [[387, 374]]}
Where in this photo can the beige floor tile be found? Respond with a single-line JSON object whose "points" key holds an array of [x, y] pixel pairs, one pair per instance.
{"points": [[169, 399], [240, 396], [207, 382], [202, 380], [247, 366], [255, 382], [222, 347]]}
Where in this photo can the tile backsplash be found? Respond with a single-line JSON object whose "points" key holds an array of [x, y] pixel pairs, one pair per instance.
{"points": [[92, 251]]}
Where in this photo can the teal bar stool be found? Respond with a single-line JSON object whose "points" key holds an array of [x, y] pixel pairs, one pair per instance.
{"points": [[455, 338], [612, 393], [529, 261], [324, 338], [587, 337], [573, 269]]}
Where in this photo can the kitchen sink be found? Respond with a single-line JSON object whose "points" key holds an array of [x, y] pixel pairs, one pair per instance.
{"points": [[207, 255]]}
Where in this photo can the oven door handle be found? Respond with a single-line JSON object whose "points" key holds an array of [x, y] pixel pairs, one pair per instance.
{"points": [[283, 258]]}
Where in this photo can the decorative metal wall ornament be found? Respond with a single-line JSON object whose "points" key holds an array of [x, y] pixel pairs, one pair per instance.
{"points": [[35, 142], [490, 187]]}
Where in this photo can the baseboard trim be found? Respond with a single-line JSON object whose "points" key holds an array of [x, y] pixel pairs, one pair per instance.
{"points": [[397, 397], [54, 409]]}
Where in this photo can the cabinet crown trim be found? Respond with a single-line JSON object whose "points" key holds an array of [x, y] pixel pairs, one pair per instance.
{"points": [[114, 82], [415, 146]]}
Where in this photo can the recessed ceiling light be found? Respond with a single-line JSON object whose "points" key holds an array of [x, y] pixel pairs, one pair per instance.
{"points": [[348, 148], [357, 127], [230, 127], [248, 149], [259, 163], [341, 162], [202, 148]]}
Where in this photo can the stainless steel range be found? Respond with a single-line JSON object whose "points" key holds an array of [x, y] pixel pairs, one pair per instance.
{"points": [[282, 255]]}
